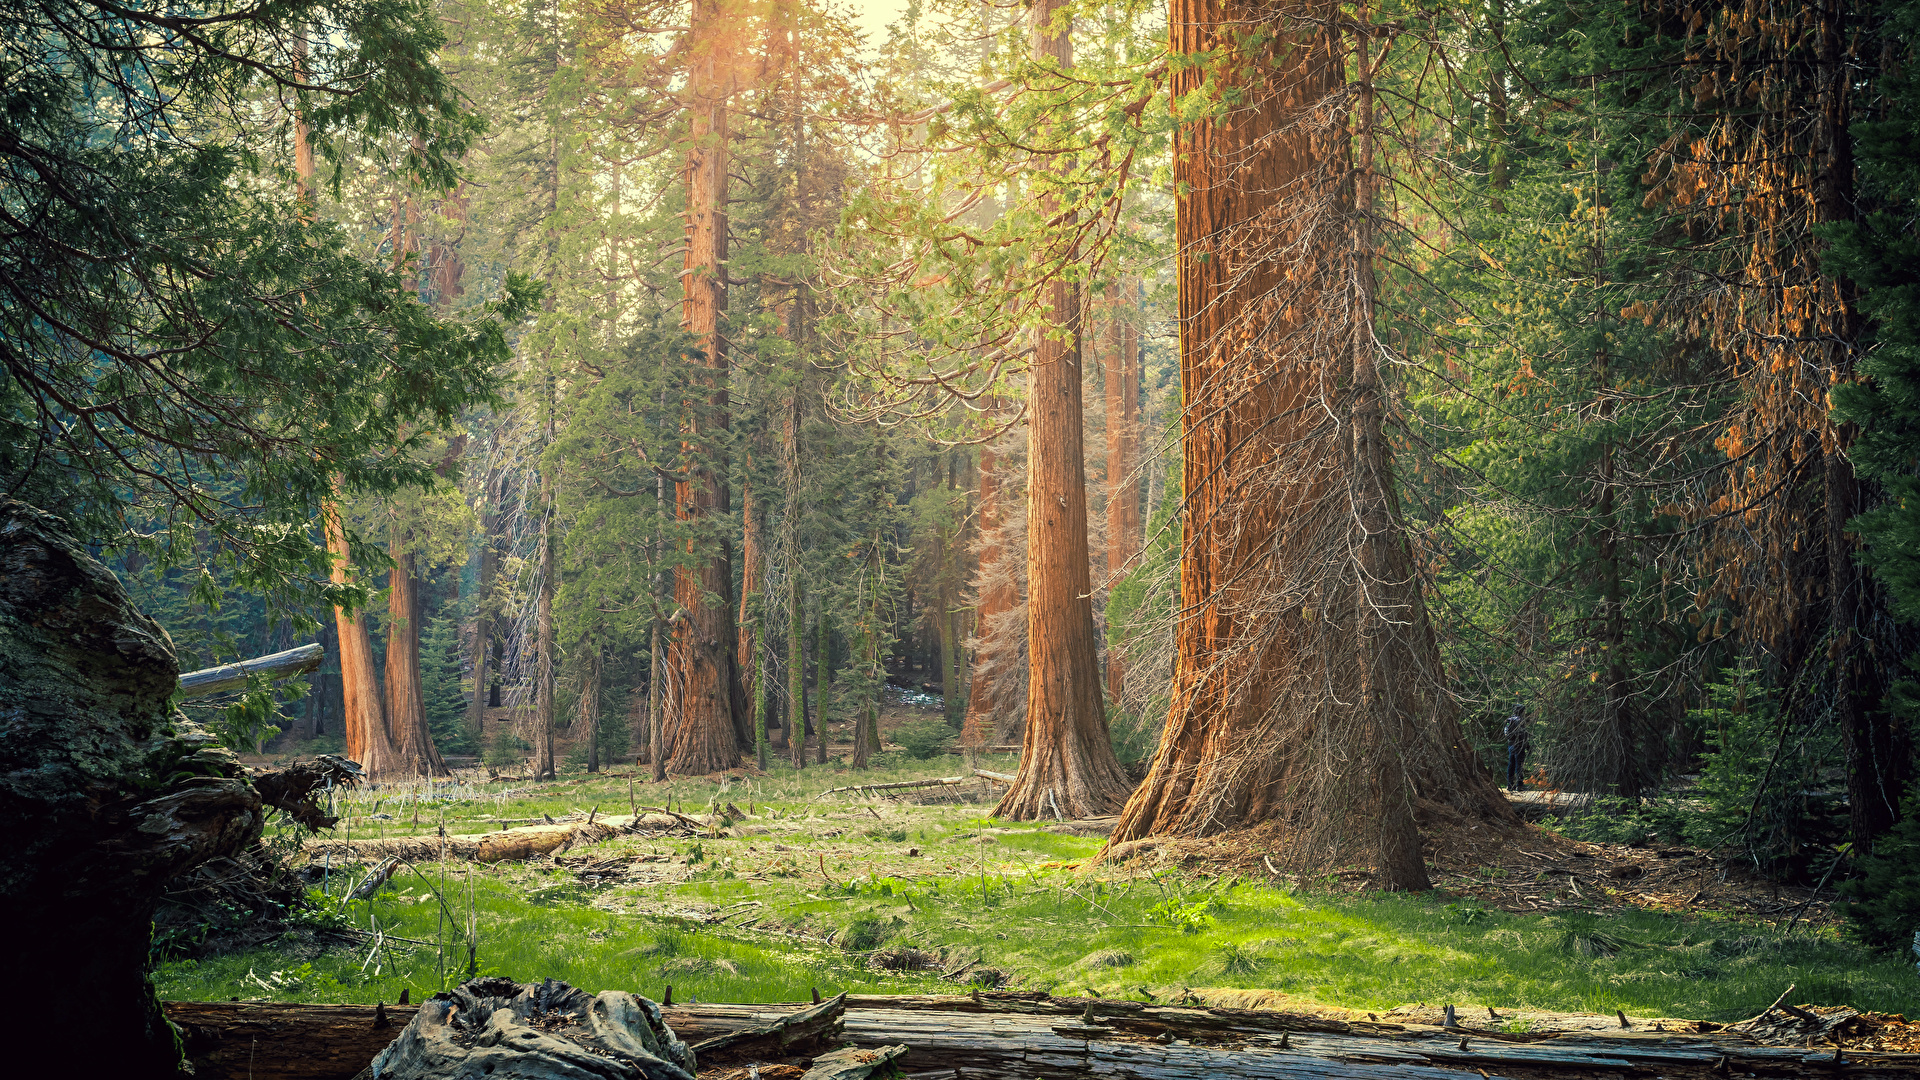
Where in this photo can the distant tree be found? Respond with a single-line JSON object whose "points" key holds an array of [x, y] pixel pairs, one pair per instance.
{"points": [[173, 319]]}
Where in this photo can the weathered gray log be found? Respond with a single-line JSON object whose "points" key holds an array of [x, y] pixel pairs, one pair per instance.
{"points": [[938, 781], [280, 665], [1021, 1036], [855, 1063], [1005, 778], [504, 1030], [808, 1031], [507, 845]]}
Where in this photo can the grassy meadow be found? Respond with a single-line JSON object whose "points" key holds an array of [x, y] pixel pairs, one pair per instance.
{"points": [[875, 895]]}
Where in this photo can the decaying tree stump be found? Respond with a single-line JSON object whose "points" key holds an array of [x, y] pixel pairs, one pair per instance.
{"points": [[504, 1030], [107, 796]]}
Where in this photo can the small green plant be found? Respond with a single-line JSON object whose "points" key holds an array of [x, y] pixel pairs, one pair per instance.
{"points": [[865, 934], [506, 750], [923, 739], [1235, 960], [1583, 937], [1464, 912], [1182, 916]]}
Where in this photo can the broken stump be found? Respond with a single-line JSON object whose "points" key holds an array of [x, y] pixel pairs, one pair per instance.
{"points": [[503, 1030]]}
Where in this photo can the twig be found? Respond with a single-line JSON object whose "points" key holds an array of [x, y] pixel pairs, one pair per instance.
{"points": [[681, 818]]}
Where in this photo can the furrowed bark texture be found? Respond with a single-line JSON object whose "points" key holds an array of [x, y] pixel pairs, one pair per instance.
{"points": [[1307, 686], [545, 662], [368, 741], [94, 830], [995, 598], [701, 653], [483, 628], [1067, 766], [406, 700], [1122, 400]]}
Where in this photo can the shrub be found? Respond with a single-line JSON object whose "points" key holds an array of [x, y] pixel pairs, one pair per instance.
{"points": [[1883, 903], [506, 750], [923, 739]]}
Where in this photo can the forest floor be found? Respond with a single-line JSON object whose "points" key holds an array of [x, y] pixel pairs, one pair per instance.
{"points": [[793, 889]]}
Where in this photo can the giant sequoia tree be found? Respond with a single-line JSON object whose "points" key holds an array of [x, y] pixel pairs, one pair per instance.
{"points": [[1308, 686]]}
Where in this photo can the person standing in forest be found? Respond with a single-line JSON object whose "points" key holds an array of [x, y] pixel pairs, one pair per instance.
{"points": [[1519, 741]]}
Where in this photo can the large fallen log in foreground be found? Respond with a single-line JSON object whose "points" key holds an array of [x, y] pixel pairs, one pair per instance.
{"points": [[1024, 1036]]}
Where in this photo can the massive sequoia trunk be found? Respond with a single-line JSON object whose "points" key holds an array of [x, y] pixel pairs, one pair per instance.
{"points": [[95, 830], [1307, 687], [702, 650], [1067, 766]]}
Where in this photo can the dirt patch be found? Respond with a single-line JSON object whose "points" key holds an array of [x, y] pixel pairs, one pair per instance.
{"points": [[1520, 868]]}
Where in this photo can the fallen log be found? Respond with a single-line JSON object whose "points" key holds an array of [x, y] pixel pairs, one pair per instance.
{"points": [[809, 1030], [1020, 1036], [938, 781], [233, 1040], [280, 665], [527, 842], [1005, 778]]}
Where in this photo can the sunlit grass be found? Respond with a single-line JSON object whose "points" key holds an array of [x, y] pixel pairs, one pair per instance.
{"points": [[827, 881]]}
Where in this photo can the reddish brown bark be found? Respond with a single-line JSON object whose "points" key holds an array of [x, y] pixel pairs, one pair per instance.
{"points": [[545, 662], [1307, 685], [752, 551], [406, 705], [1067, 766], [701, 654], [368, 741], [995, 599], [1122, 400]]}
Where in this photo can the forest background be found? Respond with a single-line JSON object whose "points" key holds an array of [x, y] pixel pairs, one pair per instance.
{"points": [[658, 380]]}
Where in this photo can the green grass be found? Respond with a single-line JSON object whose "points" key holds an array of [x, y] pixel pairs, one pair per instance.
{"points": [[981, 889]]}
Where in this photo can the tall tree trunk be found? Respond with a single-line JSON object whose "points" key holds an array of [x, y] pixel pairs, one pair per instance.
{"points": [[1877, 773], [483, 630], [1388, 599], [1067, 766], [1307, 684], [796, 672], [996, 598], [657, 673], [589, 712], [822, 674], [1122, 401], [702, 656], [952, 569], [545, 662], [368, 741], [752, 623], [406, 704]]}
